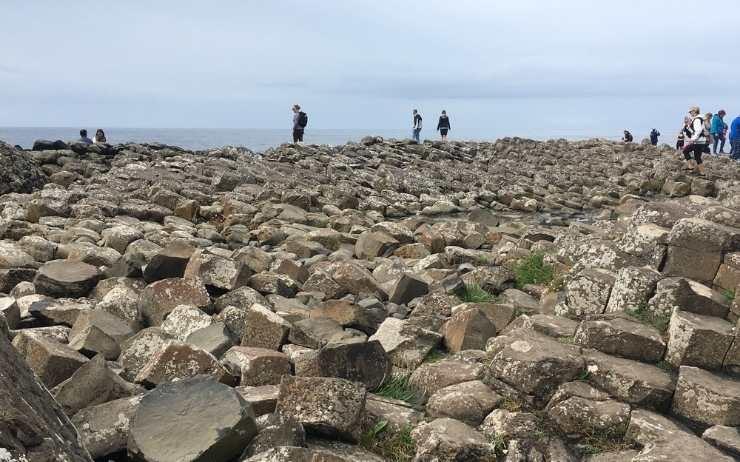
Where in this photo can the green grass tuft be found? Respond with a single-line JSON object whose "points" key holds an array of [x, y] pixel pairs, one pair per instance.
{"points": [[665, 365], [611, 440], [397, 387], [533, 270], [475, 294], [435, 355], [392, 446], [729, 295], [645, 316]]}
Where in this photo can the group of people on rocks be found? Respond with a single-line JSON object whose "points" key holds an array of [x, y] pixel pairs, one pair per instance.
{"points": [[300, 121], [703, 134], [443, 126], [99, 137]]}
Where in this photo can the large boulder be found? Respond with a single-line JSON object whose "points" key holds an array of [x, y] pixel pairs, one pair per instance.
{"points": [[704, 398], [446, 439], [193, 420], [33, 426], [533, 363], [324, 406], [158, 299], [65, 278], [365, 362], [18, 173], [52, 362], [104, 427], [663, 439]]}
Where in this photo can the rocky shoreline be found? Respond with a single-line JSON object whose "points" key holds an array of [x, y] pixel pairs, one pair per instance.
{"points": [[382, 300]]}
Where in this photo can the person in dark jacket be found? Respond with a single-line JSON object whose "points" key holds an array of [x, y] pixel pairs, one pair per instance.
{"points": [[83, 137], [443, 126], [416, 129], [654, 134], [627, 138], [300, 120]]}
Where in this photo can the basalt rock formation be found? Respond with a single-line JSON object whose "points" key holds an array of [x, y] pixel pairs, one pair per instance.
{"points": [[383, 300]]}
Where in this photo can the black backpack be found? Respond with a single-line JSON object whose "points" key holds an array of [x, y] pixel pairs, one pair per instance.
{"points": [[302, 119]]}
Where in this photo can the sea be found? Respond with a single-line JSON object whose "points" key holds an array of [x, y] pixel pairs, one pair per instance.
{"points": [[257, 140]]}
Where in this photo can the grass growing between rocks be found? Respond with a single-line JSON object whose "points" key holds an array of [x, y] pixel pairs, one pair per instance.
{"points": [[645, 316], [533, 270], [397, 387], [392, 446], [475, 294], [729, 295], [611, 440], [435, 355]]}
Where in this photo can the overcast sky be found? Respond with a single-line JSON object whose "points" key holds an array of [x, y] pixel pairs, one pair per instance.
{"points": [[525, 64]]}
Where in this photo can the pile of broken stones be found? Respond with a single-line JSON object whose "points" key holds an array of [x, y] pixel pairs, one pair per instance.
{"points": [[158, 304]]}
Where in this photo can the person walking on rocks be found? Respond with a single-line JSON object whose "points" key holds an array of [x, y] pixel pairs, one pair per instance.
{"points": [[697, 141], [417, 126], [83, 137], [717, 130], [443, 126], [654, 134], [300, 120], [735, 139], [681, 140]]}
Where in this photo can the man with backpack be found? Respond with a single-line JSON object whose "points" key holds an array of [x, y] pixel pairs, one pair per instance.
{"points": [[697, 142], [417, 126], [300, 120]]}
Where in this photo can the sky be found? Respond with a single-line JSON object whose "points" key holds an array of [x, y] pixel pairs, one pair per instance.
{"points": [[520, 67]]}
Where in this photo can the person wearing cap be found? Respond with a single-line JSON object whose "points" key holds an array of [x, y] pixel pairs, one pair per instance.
{"points": [[696, 142], [717, 131]]}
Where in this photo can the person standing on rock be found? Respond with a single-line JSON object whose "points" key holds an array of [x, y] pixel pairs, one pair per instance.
{"points": [[627, 138], [300, 120], [681, 140], [417, 126], [717, 130], [83, 137], [735, 139], [654, 134], [443, 126], [697, 141]]}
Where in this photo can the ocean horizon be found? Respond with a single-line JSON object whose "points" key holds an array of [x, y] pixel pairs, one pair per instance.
{"points": [[261, 139]]}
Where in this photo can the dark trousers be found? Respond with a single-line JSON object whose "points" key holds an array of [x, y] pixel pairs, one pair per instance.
{"points": [[695, 151], [297, 135]]}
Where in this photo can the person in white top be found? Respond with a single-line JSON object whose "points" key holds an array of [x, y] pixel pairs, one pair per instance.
{"points": [[697, 142]]}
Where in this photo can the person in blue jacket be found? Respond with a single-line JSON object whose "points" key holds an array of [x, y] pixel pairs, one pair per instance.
{"points": [[717, 131], [735, 138]]}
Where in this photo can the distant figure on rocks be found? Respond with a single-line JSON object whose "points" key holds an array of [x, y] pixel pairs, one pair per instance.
{"points": [[697, 141], [443, 126], [300, 121], [654, 134], [735, 139], [708, 131], [717, 130], [83, 137], [681, 140], [627, 138], [417, 126], [100, 137]]}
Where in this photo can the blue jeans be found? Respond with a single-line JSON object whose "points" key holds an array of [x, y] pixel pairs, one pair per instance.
{"points": [[735, 152], [415, 134], [717, 140]]}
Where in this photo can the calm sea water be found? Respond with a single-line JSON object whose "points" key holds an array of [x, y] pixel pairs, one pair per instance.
{"points": [[255, 139]]}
